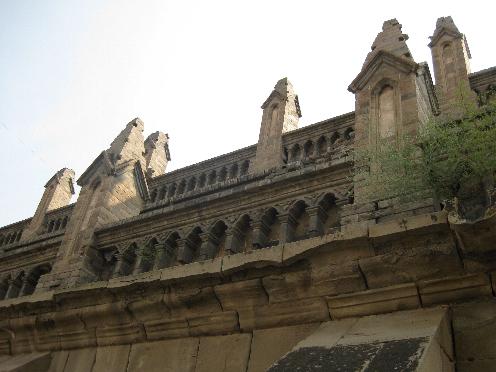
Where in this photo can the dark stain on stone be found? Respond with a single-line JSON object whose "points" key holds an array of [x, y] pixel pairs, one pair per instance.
{"points": [[398, 355]]}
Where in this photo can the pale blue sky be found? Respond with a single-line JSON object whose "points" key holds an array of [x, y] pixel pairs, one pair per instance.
{"points": [[73, 73]]}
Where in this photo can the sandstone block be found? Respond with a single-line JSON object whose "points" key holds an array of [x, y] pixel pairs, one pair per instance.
{"points": [[447, 290], [224, 353], [111, 358], [268, 345], [375, 301], [160, 356]]}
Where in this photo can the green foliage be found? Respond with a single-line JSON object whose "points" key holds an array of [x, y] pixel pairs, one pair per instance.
{"points": [[446, 158]]}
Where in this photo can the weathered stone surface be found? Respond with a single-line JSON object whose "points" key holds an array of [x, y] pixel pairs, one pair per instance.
{"points": [[283, 313], [447, 290], [412, 259], [35, 362], [160, 356], [81, 360], [253, 259], [246, 293], [474, 327], [111, 358], [376, 301], [373, 343], [270, 344], [59, 360], [196, 270], [224, 353]]}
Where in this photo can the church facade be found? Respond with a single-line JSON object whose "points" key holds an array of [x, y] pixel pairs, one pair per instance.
{"points": [[267, 258]]}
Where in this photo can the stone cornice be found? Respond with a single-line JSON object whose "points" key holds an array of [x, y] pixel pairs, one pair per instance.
{"points": [[201, 299]]}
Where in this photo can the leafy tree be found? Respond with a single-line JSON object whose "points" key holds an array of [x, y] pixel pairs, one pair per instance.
{"points": [[452, 159]]}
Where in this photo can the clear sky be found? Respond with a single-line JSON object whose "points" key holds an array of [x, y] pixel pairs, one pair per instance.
{"points": [[73, 73]]}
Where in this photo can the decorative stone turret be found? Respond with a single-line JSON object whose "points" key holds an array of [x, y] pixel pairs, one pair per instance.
{"points": [[156, 154], [58, 193], [394, 95], [112, 188], [281, 113], [450, 58]]}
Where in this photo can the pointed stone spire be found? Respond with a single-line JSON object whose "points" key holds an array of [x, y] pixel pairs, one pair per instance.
{"points": [[281, 113], [450, 58], [156, 154], [391, 40], [58, 193], [129, 143], [112, 188]]}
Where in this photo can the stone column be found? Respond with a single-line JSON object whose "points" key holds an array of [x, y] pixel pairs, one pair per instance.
{"points": [[122, 266], [164, 255], [260, 233], [184, 251], [13, 290], [317, 216], [287, 228], [209, 246], [234, 238], [27, 286]]}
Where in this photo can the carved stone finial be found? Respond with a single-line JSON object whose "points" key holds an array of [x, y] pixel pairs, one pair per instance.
{"points": [[391, 40], [281, 113]]}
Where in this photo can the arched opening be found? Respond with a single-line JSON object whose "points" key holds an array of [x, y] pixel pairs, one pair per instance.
{"points": [[213, 241], [202, 180], [449, 68], [19, 234], [387, 112], [146, 257], [244, 167], [335, 138], [4, 286], [181, 187], [172, 190], [163, 193], [266, 231], [212, 177], [233, 172], [50, 226], [349, 134], [126, 261], [222, 174], [15, 286], [300, 220], [239, 237], [322, 145], [57, 225], [309, 149], [167, 252], [192, 183], [189, 247], [64, 222], [153, 195], [33, 277], [295, 152]]}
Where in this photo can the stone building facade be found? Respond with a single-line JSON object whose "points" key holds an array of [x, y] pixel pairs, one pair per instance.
{"points": [[266, 258]]}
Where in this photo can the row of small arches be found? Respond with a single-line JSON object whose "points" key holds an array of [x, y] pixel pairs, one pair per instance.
{"points": [[23, 283], [316, 148], [10, 238], [250, 231], [204, 179], [57, 224]]}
